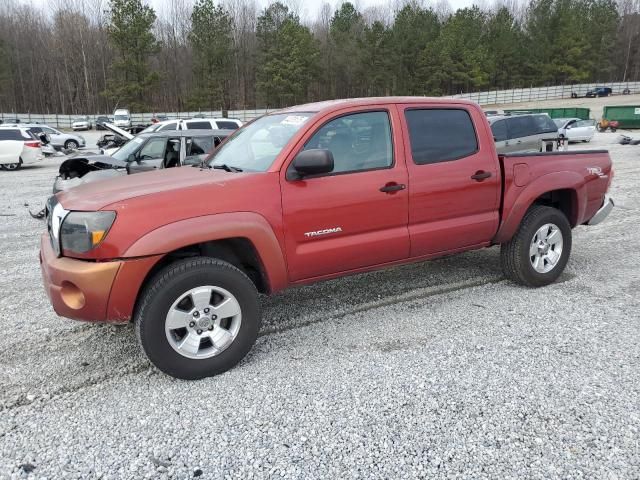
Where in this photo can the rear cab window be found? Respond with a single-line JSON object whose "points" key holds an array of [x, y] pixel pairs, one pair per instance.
{"points": [[440, 135]]}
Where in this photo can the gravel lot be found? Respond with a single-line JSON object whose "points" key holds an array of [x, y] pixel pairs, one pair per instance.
{"points": [[436, 370]]}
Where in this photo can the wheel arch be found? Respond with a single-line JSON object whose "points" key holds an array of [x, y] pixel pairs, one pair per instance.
{"points": [[244, 239], [562, 190]]}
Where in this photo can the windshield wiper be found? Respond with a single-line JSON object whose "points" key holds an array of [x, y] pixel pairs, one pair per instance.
{"points": [[227, 168]]}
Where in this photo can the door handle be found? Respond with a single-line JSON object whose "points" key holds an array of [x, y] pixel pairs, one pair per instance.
{"points": [[480, 175], [392, 187]]}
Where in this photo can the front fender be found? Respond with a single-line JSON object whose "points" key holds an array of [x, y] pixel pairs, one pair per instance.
{"points": [[252, 226], [517, 200]]}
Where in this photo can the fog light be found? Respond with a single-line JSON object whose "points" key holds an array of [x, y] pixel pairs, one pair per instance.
{"points": [[72, 296]]}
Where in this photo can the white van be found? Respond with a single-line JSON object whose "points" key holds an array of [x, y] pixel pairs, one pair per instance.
{"points": [[122, 118]]}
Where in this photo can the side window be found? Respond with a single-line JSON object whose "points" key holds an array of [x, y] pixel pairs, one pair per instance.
{"points": [[520, 127], [439, 135], [499, 130], [197, 148], [169, 126], [227, 125], [154, 148], [10, 134], [202, 125], [360, 141], [544, 124], [35, 130], [48, 130], [585, 123]]}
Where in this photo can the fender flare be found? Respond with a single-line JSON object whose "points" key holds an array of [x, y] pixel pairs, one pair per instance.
{"points": [[249, 225], [520, 199]]}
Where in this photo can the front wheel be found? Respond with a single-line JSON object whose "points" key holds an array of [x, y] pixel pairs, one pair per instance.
{"points": [[71, 145], [197, 318], [538, 252]]}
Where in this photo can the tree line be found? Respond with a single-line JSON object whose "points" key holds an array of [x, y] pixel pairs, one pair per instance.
{"points": [[90, 56]]}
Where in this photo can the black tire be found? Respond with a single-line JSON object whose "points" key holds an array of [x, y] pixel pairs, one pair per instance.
{"points": [[613, 129], [166, 287], [514, 255], [71, 144]]}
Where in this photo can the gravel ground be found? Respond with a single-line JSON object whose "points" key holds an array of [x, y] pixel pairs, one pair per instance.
{"points": [[436, 370]]}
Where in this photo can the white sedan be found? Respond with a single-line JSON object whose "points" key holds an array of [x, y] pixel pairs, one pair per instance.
{"points": [[17, 148], [576, 129]]}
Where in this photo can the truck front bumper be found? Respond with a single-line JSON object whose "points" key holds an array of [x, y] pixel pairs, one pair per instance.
{"points": [[77, 289], [93, 291], [603, 211]]}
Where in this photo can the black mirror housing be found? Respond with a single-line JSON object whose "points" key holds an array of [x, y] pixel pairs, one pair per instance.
{"points": [[311, 162]]}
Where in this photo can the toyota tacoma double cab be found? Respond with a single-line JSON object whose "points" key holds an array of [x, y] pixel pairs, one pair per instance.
{"points": [[300, 195]]}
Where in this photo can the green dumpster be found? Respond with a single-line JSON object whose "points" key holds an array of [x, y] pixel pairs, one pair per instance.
{"points": [[569, 112], [627, 115]]}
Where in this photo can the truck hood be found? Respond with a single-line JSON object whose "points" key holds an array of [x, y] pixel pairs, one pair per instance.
{"points": [[170, 182]]}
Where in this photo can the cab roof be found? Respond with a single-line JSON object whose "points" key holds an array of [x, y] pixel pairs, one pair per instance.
{"points": [[330, 105]]}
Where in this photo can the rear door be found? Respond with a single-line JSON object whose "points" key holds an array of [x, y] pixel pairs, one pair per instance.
{"points": [[582, 130], [454, 183], [355, 216]]}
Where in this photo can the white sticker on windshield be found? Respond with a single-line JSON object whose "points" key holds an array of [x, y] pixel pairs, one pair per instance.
{"points": [[294, 120]]}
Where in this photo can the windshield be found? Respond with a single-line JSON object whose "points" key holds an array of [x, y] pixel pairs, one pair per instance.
{"points": [[121, 117], [151, 128], [80, 119], [127, 149], [255, 146]]}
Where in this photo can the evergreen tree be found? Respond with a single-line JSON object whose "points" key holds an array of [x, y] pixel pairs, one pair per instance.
{"points": [[346, 33], [414, 33], [288, 57], [212, 45], [131, 33]]}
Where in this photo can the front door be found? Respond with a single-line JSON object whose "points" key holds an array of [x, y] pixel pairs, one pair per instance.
{"points": [[355, 216], [454, 191]]}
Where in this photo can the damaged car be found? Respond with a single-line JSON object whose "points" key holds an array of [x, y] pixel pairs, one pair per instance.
{"points": [[145, 152]]}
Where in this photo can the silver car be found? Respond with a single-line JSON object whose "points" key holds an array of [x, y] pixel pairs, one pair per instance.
{"points": [[59, 139], [534, 132]]}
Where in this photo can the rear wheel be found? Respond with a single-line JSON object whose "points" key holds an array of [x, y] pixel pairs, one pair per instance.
{"points": [[71, 145], [12, 166], [197, 318], [538, 252]]}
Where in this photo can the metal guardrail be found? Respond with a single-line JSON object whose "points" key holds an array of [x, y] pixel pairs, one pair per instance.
{"points": [[518, 95], [65, 121], [496, 97]]}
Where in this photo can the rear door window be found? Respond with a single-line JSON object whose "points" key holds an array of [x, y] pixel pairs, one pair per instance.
{"points": [[198, 148], [440, 135], [169, 126], [519, 127], [225, 125], [544, 124], [199, 125], [6, 134], [499, 130]]}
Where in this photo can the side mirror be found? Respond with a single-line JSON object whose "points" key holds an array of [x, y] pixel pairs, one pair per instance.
{"points": [[131, 158], [311, 162]]}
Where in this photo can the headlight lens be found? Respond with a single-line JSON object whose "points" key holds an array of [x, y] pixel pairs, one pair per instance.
{"points": [[82, 231]]}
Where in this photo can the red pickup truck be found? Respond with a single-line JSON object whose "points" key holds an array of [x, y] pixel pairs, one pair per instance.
{"points": [[300, 195]]}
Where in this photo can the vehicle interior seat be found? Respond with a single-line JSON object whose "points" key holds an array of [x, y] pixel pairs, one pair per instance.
{"points": [[172, 157]]}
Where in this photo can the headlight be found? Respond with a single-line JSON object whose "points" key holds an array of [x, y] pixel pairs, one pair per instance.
{"points": [[82, 231]]}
